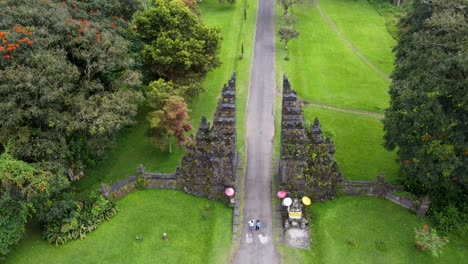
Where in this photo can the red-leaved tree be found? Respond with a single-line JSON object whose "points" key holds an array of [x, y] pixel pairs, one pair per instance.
{"points": [[172, 120]]}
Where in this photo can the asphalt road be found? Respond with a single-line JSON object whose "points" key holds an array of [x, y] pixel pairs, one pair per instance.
{"points": [[259, 247]]}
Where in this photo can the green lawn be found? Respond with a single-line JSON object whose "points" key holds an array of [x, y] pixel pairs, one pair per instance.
{"points": [[365, 28], [324, 70], [358, 143], [199, 231], [134, 147], [368, 230]]}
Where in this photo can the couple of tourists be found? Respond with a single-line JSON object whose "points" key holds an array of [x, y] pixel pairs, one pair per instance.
{"points": [[254, 224]]}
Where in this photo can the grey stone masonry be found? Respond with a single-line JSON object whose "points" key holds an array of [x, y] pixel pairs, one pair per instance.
{"points": [[307, 165], [293, 141], [324, 176], [210, 164], [381, 188]]}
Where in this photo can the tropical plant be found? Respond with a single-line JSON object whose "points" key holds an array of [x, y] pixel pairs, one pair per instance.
{"points": [[24, 189], [428, 239], [69, 219]]}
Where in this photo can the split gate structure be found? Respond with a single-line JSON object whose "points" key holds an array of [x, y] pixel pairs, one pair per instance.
{"points": [[210, 164], [307, 165]]}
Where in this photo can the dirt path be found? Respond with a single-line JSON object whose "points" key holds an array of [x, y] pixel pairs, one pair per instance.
{"points": [[259, 247], [347, 110], [348, 43]]}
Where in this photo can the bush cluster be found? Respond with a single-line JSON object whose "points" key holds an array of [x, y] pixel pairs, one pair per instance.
{"points": [[428, 239], [69, 219]]}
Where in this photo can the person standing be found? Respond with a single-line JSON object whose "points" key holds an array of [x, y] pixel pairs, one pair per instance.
{"points": [[257, 225], [251, 225]]}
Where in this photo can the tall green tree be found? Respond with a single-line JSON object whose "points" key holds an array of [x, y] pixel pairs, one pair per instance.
{"points": [[178, 46], [67, 83], [427, 121]]}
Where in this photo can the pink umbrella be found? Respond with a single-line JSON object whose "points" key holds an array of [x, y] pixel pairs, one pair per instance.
{"points": [[229, 192], [281, 194]]}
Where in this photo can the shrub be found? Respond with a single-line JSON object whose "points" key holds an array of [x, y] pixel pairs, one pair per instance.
{"points": [[70, 220], [450, 218], [428, 239]]}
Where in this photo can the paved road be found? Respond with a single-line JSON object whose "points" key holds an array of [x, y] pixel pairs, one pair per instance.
{"points": [[259, 247]]}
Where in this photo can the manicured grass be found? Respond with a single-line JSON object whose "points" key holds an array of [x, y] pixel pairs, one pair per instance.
{"points": [[360, 22], [134, 147], [199, 231], [358, 143], [324, 70], [368, 230]]}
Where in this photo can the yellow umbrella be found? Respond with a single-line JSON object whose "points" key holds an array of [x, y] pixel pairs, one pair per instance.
{"points": [[306, 200]]}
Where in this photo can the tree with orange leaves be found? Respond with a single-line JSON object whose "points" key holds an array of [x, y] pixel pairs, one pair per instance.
{"points": [[171, 121]]}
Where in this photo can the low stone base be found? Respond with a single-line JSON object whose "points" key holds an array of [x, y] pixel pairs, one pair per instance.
{"points": [[297, 238]]}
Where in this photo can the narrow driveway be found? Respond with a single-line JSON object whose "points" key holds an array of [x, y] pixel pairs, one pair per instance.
{"points": [[259, 247]]}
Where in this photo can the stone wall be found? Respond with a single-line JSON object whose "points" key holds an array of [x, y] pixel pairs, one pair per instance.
{"points": [[211, 160], [380, 188], [152, 180], [307, 166]]}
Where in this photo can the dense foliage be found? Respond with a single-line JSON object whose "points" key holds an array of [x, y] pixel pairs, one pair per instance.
{"points": [[68, 219], [392, 13], [179, 50], [24, 189], [427, 120], [178, 47], [66, 79], [68, 84]]}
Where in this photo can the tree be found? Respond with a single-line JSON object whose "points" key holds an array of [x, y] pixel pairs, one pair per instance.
{"points": [[427, 119], [24, 188], [178, 47], [66, 79], [286, 4], [286, 33], [170, 121]]}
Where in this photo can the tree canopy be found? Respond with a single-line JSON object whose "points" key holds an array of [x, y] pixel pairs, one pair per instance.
{"points": [[427, 121], [66, 79], [178, 46], [172, 120]]}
